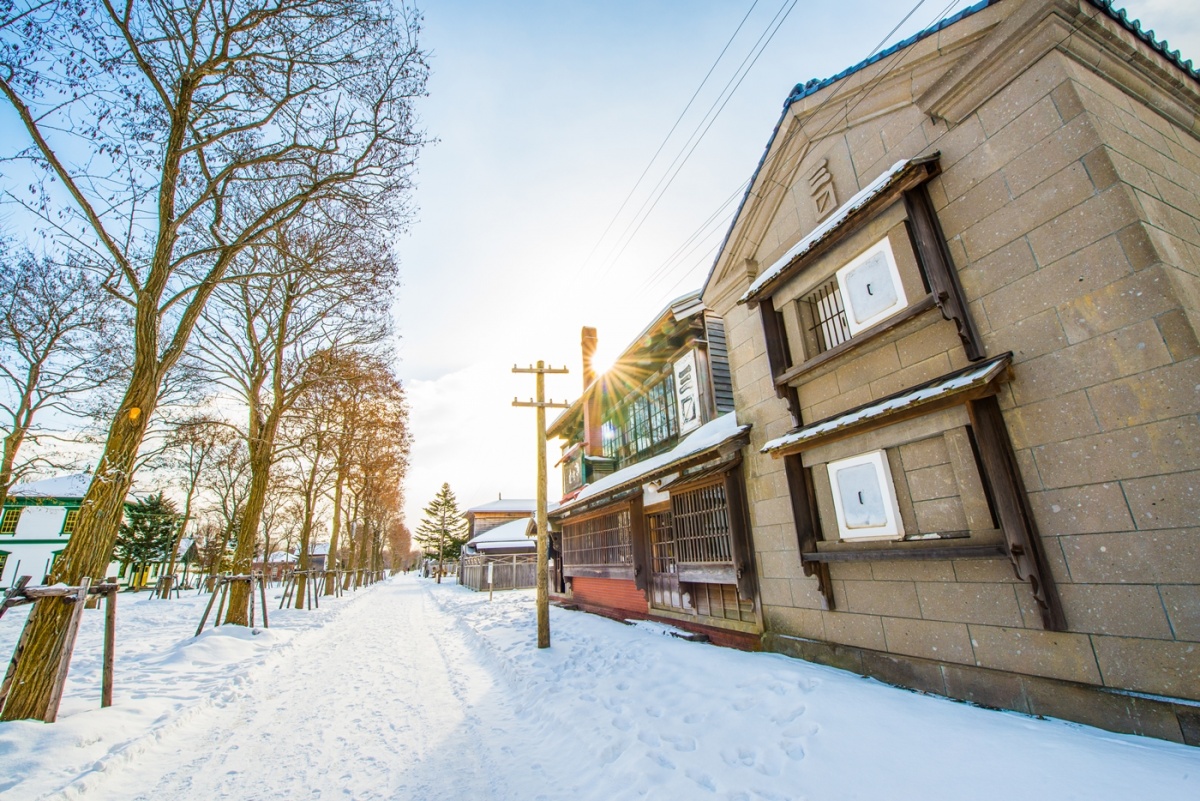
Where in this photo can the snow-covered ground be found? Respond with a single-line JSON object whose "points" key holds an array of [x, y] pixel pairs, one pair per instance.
{"points": [[410, 690]]}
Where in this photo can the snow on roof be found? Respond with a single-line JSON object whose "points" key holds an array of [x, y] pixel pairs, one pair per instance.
{"points": [[506, 505], [513, 534], [74, 486], [185, 545], [282, 556], [710, 435], [830, 224], [964, 379]]}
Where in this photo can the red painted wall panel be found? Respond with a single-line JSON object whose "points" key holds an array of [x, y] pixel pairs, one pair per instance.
{"points": [[619, 594]]}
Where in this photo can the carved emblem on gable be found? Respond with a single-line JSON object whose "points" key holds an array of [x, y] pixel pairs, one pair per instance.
{"points": [[820, 185]]}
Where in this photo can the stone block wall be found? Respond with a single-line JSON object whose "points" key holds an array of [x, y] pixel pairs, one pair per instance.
{"points": [[1064, 200]]}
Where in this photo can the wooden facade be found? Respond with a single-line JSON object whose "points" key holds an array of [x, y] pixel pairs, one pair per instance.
{"points": [[651, 526]]}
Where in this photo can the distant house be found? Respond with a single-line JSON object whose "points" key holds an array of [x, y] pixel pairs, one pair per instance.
{"points": [[489, 515], [37, 522], [275, 565], [514, 537]]}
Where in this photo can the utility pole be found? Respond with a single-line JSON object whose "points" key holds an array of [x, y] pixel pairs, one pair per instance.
{"points": [[543, 545]]}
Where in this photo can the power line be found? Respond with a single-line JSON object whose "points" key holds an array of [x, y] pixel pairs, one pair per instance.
{"points": [[709, 117], [666, 268], [667, 138]]}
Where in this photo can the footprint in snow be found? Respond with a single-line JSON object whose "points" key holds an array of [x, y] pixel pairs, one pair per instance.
{"points": [[693, 717], [682, 743], [649, 738], [739, 756], [742, 704], [623, 724], [794, 751], [654, 711], [791, 716], [702, 779]]}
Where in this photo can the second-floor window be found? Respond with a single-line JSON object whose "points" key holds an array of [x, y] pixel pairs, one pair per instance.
{"points": [[8, 524], [642, 422]]}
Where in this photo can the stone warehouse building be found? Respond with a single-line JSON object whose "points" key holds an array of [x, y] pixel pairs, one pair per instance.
{"points": [[962, 297]]}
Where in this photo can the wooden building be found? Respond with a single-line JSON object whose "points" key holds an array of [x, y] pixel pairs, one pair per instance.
{"points": [[37, 522], [653, 523], [487, 516], [962, 295]]}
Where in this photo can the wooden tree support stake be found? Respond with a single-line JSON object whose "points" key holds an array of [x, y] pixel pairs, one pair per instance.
{"points": [[20, 594]]}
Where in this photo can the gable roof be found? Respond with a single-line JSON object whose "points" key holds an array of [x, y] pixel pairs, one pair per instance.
{"points": [[505, 505], [515, 533], [72, 486], [814, 85]]}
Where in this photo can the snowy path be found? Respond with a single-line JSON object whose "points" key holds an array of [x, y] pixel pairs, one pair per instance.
{"points": [[410, 691], [383, 704]]}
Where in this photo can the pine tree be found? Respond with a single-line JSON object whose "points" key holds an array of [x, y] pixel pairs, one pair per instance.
{"points": [[443, 531], [148, 533]]}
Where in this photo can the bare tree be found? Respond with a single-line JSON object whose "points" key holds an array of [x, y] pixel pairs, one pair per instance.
{"points": [[321, 283], [55, 335], [190, 451], [173, 137]]}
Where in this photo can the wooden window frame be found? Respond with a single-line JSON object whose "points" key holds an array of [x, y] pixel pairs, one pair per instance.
{"points": [[14, 514], [623, 568]]}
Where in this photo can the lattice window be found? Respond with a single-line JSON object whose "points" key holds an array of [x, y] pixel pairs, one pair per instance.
{"points": [[825, 316], [701, 521], [8, 524], [3, 561], [69, 523], [598, 541]]}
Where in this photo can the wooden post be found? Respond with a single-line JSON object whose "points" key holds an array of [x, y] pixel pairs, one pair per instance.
{"points": [[211, 600], [221, 587], [67, 647], [110, 645], [250, 587], [262, 591], [541, 404]]}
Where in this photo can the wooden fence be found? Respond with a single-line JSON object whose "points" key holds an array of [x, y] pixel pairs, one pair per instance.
{"points": [[509, 572]]}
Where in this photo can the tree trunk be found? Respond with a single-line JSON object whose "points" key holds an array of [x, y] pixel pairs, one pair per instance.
{"points": [[89, 549], [260, 476], [330, 589]]}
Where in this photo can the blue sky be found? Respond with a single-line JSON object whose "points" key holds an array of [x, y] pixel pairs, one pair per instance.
{"points": [[545, 114]]}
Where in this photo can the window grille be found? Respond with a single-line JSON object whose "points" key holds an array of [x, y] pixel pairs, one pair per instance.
{"points": [[602, 540], [827, 314], [8, 524], [701, 522], [69, 523]]}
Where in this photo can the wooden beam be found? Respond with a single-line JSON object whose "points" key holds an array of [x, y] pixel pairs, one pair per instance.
{"points": [[740, 534], [1003, 479], [110, 647], [66, 648], [899, 553], [934, 257], [808, 533]]}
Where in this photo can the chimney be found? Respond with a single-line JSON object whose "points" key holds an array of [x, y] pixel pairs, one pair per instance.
{"points": [[592, 444], [588, 343]]}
